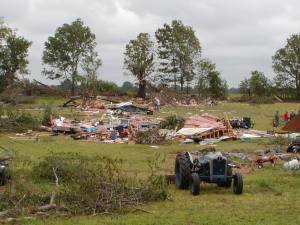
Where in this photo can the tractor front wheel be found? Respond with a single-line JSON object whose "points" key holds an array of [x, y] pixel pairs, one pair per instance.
{"points": [[237, 184], [195, 184]]}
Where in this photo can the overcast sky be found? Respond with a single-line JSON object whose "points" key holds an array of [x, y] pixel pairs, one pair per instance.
{"points": [[238, 35]]}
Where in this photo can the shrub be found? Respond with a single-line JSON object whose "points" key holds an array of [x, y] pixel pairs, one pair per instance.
{"points": [[172, 123], [148, 137], [12, 120]]}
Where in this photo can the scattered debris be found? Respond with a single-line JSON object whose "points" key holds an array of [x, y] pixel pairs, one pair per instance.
{"points": [[265, 159], [292, 165], [294, 146]]}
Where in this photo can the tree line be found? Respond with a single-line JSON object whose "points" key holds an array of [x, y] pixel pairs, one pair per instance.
{"points": [[172, 59]]}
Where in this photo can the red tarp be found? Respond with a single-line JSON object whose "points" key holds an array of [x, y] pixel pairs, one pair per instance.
{"points": [[293, 125]]}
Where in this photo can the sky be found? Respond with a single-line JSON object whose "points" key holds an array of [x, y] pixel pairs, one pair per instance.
{"points": [[238, 35]]}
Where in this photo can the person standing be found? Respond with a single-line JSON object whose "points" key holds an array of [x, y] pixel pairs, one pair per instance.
{"points": [[157, 104], [292, 115], [285, 117], [276, 119]]}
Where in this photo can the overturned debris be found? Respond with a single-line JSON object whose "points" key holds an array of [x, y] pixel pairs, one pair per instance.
{"points": [[292, 165]]}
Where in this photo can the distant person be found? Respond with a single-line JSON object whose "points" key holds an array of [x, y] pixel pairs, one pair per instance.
{"points": [[292, 115], [285, 117], [157, 104], [276, 120]]}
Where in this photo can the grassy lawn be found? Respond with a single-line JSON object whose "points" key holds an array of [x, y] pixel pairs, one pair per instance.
{"points": [[271, 195]]}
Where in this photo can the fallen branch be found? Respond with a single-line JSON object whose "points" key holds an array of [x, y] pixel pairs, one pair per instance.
{"points": [[15, 209], [51, 204], [54, 191], [142, 210]]}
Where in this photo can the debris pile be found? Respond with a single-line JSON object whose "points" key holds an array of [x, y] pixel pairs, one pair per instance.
{"points": [[293, 125], [204, 126]]}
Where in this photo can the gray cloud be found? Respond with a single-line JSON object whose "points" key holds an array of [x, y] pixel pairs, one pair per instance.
{"points": [[239, 36]]}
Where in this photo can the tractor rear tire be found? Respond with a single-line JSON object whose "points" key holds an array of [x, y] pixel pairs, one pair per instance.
{"points": [[194, 184], [237, 184], [183, 168]]}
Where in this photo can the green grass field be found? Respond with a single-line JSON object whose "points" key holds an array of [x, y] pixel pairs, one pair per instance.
{"points": [[271, 195]]}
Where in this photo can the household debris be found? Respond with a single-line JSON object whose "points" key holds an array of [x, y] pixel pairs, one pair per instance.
{"points": [[266, 159], [292, 165], [244, 123], [294, 146]]}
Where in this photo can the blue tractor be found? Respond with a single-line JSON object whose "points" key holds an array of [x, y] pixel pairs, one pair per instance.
{"points": [[4, 176], [212, 167]]}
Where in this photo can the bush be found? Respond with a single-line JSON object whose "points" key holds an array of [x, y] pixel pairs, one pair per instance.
{"points": [[47, 116], [12, 120], [149, 137], [172, 123]]}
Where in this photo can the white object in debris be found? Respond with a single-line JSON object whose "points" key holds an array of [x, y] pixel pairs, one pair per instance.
{"points": [[59, 122], [292, 165], [249, 136], [122, 104], [191, 131]]}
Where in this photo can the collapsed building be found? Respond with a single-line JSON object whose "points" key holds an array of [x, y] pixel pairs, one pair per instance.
{"points": [[205, 126]]}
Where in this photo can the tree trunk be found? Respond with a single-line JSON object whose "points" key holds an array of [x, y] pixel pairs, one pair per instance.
{"points": [[73, 86], [175, 83], [142, 89], [9, 78], [187, 88], [181, 84]]}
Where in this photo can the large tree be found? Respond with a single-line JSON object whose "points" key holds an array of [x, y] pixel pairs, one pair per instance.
{"points": [[286, 61], [203, 68], [257, 85], [178, 51], [13, 55], [71, 47], [139, 60], [217, 87]]}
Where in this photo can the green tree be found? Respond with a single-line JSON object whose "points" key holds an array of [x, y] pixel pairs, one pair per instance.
{"points": [[286, 61], [217, 88], [90, 65], [203, 68], [259, 84], [128, 87], [13, 55], [71, 47], [244, 87], [284, 86], [139, 60], [178, 51]]}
